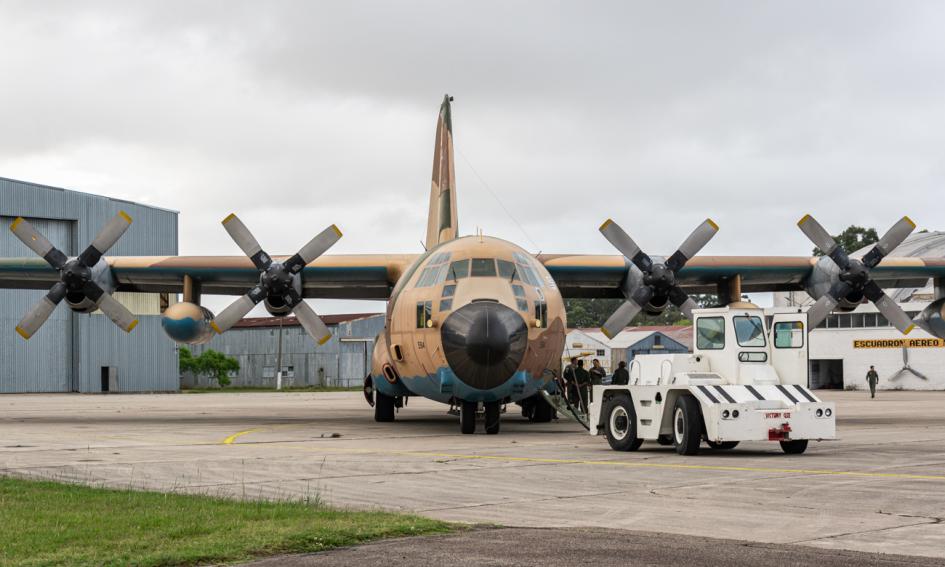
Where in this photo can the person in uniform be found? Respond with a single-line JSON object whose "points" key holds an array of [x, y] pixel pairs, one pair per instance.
{"points": [[597, 373], [582, 380], [872, 378], [570, 387], [621, 376]]}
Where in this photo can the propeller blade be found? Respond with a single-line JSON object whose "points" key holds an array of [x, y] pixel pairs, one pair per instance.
{"points": [[247, 242], [625, 245], [893, 238], [694, 242], [620, 318], [817, 234], [820, 310], [315, 248], [107, 237], [118, 313], [896, 316], [312, 323], [687, 307], [919, 374], [40, 312], [38, 243], [235, 311]]}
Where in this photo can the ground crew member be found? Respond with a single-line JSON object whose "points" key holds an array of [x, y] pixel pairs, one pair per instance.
{"points": [[582, 379], [872, 378], [621, 376], [570, 387], [597, 373]]}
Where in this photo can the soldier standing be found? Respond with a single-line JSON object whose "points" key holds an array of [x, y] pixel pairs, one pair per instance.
{"points": [[582, 379], [570, 387], [621, 376], [872, 378]]}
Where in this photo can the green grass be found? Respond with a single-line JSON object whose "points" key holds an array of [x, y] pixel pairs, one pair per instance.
{"points": [[266, 389], [48, 523]]}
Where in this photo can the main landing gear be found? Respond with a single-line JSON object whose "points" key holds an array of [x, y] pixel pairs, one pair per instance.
{"points": [[385, 406]]}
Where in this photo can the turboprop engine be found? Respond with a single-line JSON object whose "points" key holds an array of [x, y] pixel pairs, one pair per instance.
{"points": [[187, 323], [932, 318], [823, 277]]}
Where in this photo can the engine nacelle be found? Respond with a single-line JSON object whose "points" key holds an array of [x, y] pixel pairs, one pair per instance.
{"points": [[932, 318], [80, 303], [187, 323], [822, 278], [276, 307]]}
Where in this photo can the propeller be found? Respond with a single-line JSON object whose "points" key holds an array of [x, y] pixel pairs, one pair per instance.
{"points": [[855, 273], [659, 278], [75, 276], [906, 369], [276, 279]]}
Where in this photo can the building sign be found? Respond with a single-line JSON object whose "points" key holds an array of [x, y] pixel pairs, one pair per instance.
{"points": [[899, 343]]}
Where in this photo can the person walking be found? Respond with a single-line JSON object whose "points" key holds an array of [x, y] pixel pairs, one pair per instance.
{"points": [[872, 378], [582, 380], [621, 376]]}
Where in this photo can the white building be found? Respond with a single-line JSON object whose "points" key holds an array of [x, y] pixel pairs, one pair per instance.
{"points": [[589, 344]]}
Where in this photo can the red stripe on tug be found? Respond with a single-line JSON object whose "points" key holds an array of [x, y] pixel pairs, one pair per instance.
{"points": [[780, 433]]}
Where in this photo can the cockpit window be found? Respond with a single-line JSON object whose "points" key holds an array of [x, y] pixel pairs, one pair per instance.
{"points": [[518, 290], [507, 270], [458, 270], [749, 331], [483, 267], [435, 272], [526, 272]]}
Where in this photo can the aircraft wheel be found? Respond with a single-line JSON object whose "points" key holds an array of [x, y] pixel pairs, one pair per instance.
{"points": [[383, 407], [467, 417], [493, 417], [794, 447], [723, 446], [621, 424], [542, 412], [687, 425]]}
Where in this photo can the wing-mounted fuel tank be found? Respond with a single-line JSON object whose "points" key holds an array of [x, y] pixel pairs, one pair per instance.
{"points": [[188, 323], [932, 318]]}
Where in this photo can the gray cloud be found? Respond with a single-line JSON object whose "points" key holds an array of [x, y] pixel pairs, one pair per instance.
{"points": [[297, 114]]}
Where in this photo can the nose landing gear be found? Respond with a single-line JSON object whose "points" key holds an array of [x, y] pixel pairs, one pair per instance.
{"points": [[468, 412]]}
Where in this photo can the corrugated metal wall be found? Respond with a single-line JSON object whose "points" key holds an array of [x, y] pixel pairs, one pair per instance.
{"points": [[145, 360], [342, 361]]}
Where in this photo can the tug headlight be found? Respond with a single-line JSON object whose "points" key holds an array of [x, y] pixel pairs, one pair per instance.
{"points": [[820, 412], [725, 414], [828, 412], [735, 413]]}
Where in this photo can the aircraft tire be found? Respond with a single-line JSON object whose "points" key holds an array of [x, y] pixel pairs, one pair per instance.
{"points": [[542, 411], [687, 425], [723, 446], [467, 417], [621, 424], [493, 417], [795, 447], [383, 407]]}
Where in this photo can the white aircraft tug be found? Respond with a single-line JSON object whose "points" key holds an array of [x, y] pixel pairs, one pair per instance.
{"points": [[746, 380]]}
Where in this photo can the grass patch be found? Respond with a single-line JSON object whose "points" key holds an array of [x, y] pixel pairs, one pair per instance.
{"points": [[48, 523], [268, 389]]}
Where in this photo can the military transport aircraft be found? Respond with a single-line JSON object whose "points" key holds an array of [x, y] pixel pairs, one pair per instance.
{"points": [[473, 319]]}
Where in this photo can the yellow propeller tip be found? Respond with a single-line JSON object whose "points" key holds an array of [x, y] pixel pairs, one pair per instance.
{"points": [[908, 220], [132, 326], [16, 223], [803, 220], [229, 217], [213, 325], [125, 216], [607, 223], [908, 329], [324, 339], [337, 230], [712, 224], [606, 333], [23, 333]]}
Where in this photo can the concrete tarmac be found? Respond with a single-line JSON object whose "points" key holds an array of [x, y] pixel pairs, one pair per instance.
{"points": [[880, 488]]}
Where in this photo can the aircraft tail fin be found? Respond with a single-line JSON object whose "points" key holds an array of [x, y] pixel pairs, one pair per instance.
{"points": [[441, 222]]}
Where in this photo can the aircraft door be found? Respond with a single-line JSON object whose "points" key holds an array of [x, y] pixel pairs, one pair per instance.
{"points": [[789, 348]]}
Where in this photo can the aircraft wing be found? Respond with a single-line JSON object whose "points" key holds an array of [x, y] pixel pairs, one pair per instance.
{"points": [[348, 276], [602, 275]]}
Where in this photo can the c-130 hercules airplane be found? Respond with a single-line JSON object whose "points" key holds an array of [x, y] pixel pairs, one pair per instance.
{"points": [[474, 319]]}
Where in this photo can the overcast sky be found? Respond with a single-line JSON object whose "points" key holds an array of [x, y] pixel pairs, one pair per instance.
{"points": [[297, 115]]}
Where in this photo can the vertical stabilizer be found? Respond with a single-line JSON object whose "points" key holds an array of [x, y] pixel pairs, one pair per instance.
{"points": [[441, 223]]}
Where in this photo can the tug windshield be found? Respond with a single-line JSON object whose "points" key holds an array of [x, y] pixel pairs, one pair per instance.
{"points": [[749, 331]]}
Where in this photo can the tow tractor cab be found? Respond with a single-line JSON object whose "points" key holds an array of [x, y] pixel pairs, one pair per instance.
{"points": [[746, 380]]}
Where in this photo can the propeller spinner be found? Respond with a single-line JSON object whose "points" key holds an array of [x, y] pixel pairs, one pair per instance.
{"points": [[855, 273], [75, 276], [659, 278], [276, 279]]}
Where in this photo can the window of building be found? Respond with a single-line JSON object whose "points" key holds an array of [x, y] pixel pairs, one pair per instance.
{"points": [[288, 371], [424, 314], [483, 267], [710, 333], [458, 270], [657, 340], [749, 331], [600, 352], [788, 334]]}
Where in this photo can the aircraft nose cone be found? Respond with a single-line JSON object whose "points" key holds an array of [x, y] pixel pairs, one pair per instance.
{"points": [[484, 342]]}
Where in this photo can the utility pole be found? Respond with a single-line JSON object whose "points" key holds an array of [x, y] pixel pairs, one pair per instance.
{"points": [[279, 358]]}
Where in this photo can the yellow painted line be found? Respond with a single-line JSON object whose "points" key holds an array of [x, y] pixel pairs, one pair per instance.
{"points": [[229, 440]]}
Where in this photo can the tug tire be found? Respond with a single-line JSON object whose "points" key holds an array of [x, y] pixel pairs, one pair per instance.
{"points": [[383, 407], [795, 447], [723, 446], [687, 425], [467, 417], [620, 424]]}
